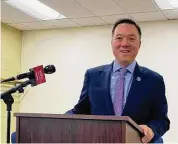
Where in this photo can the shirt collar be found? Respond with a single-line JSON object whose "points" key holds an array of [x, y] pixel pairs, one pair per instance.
{"points": [[130, 68]]}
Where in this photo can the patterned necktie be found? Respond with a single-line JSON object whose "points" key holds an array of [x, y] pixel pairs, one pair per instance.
{"points": [[119, 92]]}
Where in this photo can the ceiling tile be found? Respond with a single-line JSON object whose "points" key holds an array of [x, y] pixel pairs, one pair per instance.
{"points": [[135, 6], [63, 23], [150, 16], [171, 14], [112, 19], [11, 14], [68, 8], [20, 26], [100, 7], [39, 25], [5, 20], [89, 21]]}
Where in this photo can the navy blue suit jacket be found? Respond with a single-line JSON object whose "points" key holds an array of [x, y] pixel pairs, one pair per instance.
{"points": [[146, 102]]}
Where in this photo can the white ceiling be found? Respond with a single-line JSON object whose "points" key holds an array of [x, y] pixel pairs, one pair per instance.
{"points": [[81, 13]]}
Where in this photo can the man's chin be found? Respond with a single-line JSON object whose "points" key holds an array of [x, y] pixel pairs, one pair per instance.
{"points": [[124, 62]]}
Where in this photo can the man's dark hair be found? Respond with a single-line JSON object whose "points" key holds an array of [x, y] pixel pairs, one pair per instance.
{"points": [[127, 21]]}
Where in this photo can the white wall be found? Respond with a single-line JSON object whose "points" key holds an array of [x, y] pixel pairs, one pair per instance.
{"points": [[73, 50]]}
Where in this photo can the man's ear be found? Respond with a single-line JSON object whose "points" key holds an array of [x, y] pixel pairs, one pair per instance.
{"points": [[111, 40]]}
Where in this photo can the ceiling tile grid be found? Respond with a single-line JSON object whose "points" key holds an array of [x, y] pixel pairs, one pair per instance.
{"points": [[81, 13], [63, 23], [20, 26], [69, 8], [137, 6], [101, 7], [113, 18], [90, 21], [171, 14], [149, 16], [39, 25]]}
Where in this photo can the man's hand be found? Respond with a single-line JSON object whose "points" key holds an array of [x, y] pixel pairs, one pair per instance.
{"points": [[147, 132]]}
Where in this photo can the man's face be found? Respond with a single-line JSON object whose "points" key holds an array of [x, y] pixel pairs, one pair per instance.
{"points": [[125, 43]]}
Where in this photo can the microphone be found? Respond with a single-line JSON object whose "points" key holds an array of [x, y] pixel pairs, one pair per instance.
{"points": [[36, 73]]}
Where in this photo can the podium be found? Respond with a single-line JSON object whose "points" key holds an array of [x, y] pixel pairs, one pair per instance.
{"points": [[58, 128]]}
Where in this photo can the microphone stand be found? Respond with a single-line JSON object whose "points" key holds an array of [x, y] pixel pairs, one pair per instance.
{"points": [[8, 100]]}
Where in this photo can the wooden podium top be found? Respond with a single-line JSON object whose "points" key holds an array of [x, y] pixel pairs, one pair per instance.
{"points": [[84, 117]]}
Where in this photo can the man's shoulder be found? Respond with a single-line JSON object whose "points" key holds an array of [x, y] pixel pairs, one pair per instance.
{"points": [[100, 68], [151, 73]]}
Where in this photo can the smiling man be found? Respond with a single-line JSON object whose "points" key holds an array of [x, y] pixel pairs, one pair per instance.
{"points": [[123, 88]]}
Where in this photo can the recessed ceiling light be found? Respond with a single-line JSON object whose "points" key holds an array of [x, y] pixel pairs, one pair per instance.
{"points": [[167, 4], [35, 9]]}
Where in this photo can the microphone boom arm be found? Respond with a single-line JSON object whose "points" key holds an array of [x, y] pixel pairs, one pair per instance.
{"points": [[14, 89], [8, 100]]}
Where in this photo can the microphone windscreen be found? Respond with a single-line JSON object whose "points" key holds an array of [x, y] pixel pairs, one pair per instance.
{"points": [[49, 69]]}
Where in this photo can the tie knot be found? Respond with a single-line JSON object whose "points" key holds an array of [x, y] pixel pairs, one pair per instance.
{"points": [[123, 71]]}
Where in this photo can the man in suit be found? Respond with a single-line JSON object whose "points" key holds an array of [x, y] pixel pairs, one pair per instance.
{"points": [[124, 88]]}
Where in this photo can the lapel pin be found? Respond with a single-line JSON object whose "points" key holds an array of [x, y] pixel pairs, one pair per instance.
{"points": [[138, 78]]}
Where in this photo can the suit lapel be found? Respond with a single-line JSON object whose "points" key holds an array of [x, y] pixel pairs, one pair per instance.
{"points": [[105, 80], [133, 95]]}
